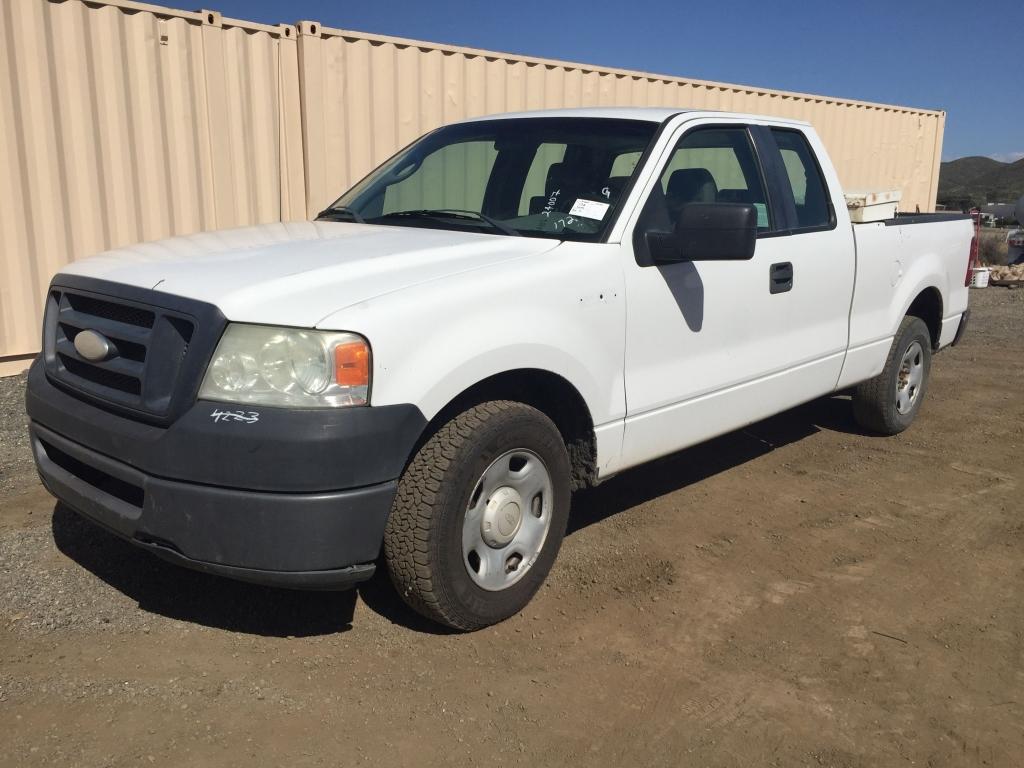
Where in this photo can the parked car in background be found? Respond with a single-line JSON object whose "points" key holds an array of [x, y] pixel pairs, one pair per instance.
{"points": [[507, 310], [1014, 246]]}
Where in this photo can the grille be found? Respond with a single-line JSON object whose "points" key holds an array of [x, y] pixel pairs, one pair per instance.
{"points": [[155, 362]]}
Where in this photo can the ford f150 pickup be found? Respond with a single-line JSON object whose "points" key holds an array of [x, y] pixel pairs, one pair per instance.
{"points": [[509, 309]]}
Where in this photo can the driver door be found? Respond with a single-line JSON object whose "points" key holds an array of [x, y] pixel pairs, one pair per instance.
{"points": [[714, 345]]}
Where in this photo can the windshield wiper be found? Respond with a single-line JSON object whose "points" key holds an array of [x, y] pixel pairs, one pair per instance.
{"points": [[454, 213], [334, 211]]}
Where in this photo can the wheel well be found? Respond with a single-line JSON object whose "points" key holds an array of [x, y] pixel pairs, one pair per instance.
{"points": [[550, 394], [928, 307]]}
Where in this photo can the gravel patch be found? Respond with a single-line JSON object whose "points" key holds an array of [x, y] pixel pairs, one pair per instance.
{"points": [[44, 592], [17, 472]]}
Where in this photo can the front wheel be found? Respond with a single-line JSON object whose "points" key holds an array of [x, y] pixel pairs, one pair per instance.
{"points": [[888, 403], [479, 515]]}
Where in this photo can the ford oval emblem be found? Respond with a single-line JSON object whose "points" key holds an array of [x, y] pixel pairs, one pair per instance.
{"points": [[93, 346]]}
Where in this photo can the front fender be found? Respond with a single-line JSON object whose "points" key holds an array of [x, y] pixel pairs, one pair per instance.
{"points": [[562, 312]]}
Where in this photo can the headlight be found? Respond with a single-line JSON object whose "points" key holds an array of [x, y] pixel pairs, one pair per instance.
{"points": [[288, 367]]}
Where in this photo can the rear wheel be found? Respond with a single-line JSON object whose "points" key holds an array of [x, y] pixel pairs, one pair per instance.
{"points": [[480, 515], [888, 403]]}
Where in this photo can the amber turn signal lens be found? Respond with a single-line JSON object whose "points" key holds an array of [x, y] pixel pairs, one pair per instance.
{"points": [[352, 364]]}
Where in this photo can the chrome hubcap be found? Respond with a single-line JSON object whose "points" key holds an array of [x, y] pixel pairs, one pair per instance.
{"points": [[507, 519], [910, 377]]}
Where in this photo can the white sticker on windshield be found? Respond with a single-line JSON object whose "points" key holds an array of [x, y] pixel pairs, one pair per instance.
{"points": [[589, 209]]}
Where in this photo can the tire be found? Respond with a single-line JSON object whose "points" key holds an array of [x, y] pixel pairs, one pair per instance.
{"points": [[441, 504], [888, 403]]}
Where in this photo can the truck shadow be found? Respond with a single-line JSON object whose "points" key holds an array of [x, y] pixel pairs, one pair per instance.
{"points": [[177, 593], [692, 465]]}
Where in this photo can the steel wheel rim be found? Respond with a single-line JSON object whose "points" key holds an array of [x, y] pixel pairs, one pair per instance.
{"points": [[909, 378], [507, 519]]}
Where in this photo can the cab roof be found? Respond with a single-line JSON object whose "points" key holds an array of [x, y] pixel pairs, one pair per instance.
{"points": [[649, 114]]}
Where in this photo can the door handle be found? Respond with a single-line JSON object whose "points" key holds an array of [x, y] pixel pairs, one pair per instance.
{"points": [[780, 277]]}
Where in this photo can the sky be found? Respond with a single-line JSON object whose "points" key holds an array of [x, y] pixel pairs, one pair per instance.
{"points": [[966, 59]]}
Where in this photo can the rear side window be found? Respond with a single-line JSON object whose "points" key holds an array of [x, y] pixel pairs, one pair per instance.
{"points": [[810, 195]]}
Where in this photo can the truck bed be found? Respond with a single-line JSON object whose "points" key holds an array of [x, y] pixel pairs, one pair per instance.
{"points": [[896, 260]]}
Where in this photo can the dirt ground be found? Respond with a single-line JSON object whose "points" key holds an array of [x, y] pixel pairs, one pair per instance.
{"points": [[794, 594]]}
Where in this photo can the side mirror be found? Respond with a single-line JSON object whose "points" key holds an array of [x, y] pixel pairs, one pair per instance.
{"points": [[708, 232]]}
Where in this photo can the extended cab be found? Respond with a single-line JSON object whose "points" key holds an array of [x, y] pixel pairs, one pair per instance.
{"points": [[509, 309]]}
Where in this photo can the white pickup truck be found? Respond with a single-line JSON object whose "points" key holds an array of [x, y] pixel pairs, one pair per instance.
{"points": [[509, 309]]}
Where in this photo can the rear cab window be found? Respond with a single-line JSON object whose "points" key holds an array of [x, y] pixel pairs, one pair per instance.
{"points": [[556, 169]]}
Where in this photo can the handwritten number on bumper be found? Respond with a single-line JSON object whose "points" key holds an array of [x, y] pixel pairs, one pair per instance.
{"points": [[246, 417]]}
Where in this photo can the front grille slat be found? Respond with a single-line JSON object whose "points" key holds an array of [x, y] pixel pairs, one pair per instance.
{"points": [[103, 378], [110, 310], [120, 365], [113, 329], [158, 352]]}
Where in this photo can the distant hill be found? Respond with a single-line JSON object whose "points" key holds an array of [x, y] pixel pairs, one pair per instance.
{"points": [[972, 181]]}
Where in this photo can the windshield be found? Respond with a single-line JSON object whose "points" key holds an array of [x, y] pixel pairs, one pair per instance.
{"points": [[542, 177]]}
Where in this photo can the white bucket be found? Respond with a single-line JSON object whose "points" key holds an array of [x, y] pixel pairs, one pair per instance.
{"points": [[979, 277]]}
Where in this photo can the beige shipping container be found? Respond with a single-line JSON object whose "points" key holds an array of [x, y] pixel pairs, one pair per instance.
{"points": [[125, 122], [122, 122], [365, 96]]}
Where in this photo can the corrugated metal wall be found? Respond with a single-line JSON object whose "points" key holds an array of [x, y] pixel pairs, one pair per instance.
{"points": [[122, 122], [365, 96]]}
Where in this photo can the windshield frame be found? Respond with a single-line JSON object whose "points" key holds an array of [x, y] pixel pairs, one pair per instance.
{"points": [[353, 197]]}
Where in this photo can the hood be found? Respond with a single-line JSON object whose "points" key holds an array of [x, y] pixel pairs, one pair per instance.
{"points": [[299, 273]]}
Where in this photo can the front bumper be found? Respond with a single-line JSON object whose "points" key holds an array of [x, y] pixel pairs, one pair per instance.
{"points": [[296, 499]]}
